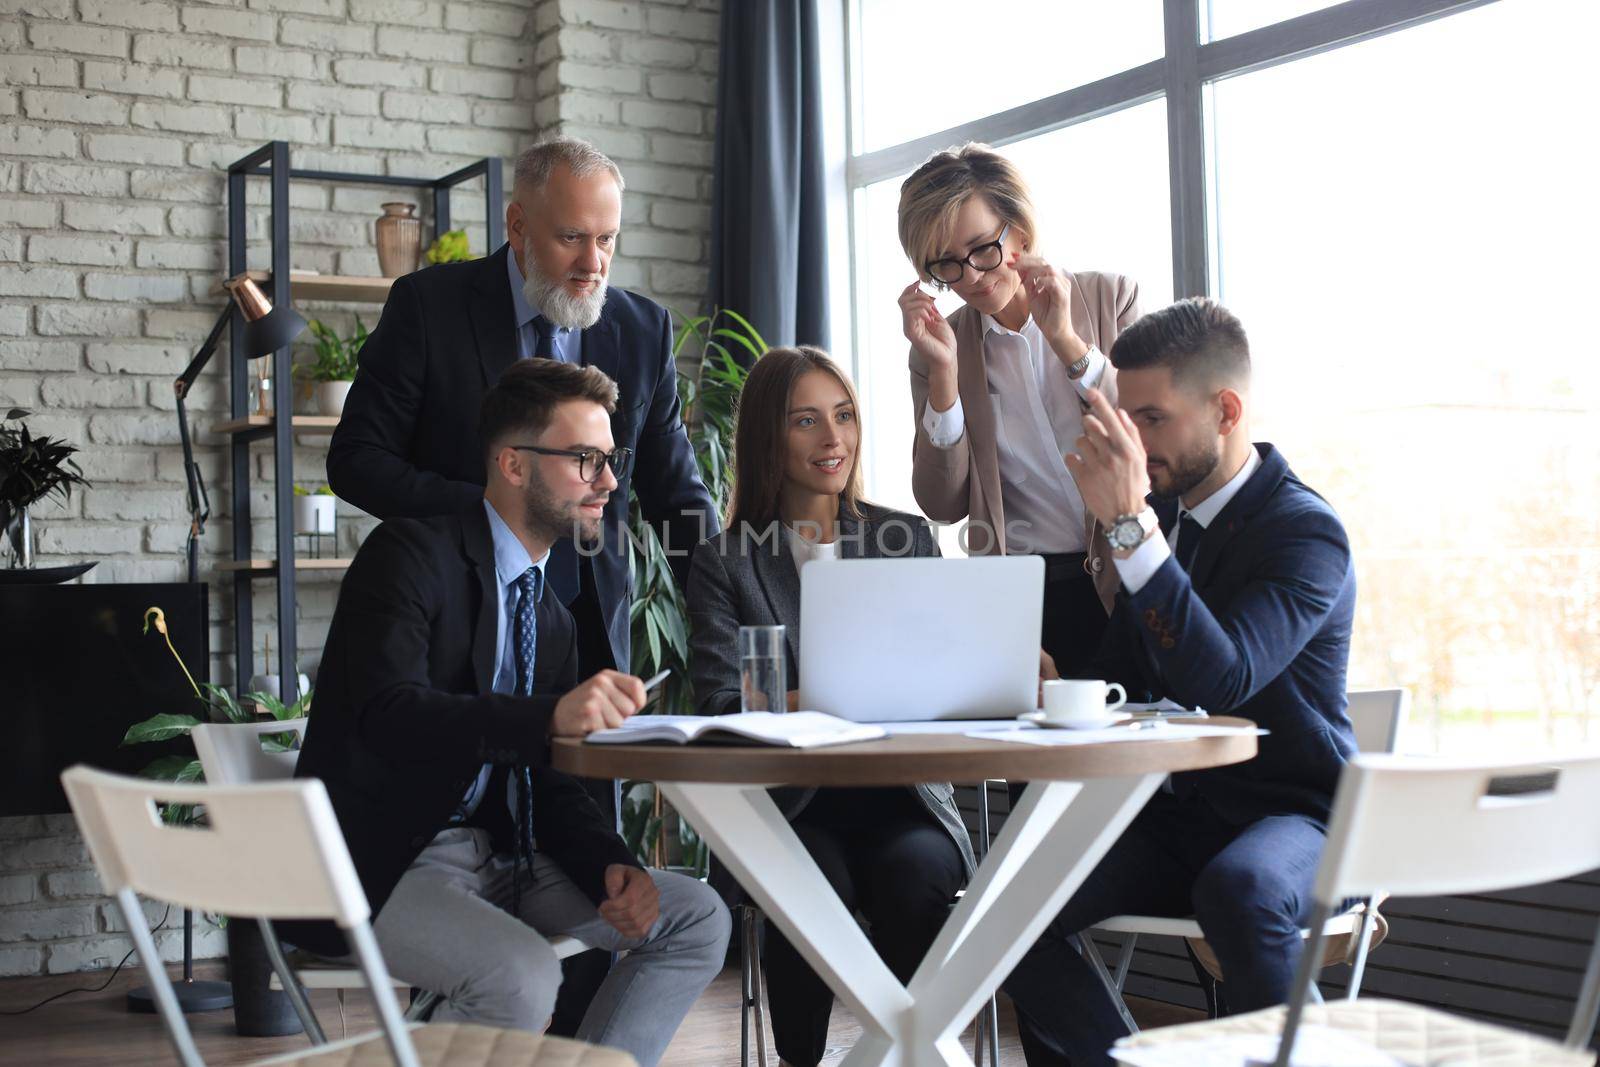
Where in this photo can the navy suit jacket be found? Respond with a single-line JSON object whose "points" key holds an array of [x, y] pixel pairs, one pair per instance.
{"points": [[1260, 628], [407, 714], [407, 444]]}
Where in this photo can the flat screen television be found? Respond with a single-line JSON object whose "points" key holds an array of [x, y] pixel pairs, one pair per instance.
{"points": [[76, 670]]}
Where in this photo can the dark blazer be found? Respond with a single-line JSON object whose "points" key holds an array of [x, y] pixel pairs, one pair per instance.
{"points": [[405, 714], [1260, 629], [407, 444], [741, 579]]}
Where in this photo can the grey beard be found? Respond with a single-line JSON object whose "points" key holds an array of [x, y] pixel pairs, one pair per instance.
{"points": [[551, 299]]}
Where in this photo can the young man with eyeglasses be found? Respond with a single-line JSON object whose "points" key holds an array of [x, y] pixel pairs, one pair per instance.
{"points": [[448, 667]]}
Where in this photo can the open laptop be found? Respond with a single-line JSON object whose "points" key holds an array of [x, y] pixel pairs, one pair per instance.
{"points": [[907, 640]]}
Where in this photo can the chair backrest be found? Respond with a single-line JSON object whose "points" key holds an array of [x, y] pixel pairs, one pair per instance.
{"points": [[1376, 715], [266, 850], [231, 752], [1421, 827], [271, 849]]}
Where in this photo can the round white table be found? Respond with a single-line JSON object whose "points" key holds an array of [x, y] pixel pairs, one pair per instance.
{"points": [[1079, 800]]}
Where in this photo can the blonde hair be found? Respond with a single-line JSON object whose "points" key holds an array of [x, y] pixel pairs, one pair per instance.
{"points": [[933, 196]]}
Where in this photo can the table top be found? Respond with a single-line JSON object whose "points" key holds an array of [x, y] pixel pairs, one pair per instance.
{"points": [[907, 759]]}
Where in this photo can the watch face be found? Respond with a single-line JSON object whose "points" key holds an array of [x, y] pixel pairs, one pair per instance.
{"points": [[1125, 534]]}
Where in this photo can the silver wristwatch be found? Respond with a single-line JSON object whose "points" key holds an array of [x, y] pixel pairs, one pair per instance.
{"points": [[1076, 370], [1129, 531]]}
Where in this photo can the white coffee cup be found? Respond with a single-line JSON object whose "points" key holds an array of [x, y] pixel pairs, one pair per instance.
{"points": [[1078, 700]]}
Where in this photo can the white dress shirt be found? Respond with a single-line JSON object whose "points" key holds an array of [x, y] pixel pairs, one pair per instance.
{"points": [[1037, 416], [1143, 562], [510, 561]]}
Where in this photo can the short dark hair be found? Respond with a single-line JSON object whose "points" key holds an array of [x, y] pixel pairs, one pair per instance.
{"points": [[1201, 342], [525, 398]]}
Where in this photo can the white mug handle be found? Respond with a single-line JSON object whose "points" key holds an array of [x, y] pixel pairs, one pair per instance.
{"points": [[1122, 696]]}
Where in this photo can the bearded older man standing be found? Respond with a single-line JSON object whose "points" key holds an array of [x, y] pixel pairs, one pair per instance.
{"points": [[407, 444]]}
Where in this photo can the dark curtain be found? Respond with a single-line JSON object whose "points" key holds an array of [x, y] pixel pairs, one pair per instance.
{"points": [[768, 225]]}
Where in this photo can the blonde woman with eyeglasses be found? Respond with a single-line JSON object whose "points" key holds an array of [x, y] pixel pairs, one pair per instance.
{"points": [[999, 389]]}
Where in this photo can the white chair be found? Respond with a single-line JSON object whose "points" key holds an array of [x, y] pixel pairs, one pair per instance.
{"points": [[271, 850], [1376, 715], [232, 754], [1421, 827]]}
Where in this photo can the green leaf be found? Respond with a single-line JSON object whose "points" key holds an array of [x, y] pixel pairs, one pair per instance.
{"points": [[162, 727], [751, 330], [172, 768], [755, 352]]}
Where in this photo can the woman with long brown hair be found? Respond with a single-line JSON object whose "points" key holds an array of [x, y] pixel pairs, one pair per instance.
{"points": [[897, 855], [998, 389]]}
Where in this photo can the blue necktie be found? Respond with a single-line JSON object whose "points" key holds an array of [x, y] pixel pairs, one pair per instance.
{"points": [[544, 338], [526, 636], [526, 633]]}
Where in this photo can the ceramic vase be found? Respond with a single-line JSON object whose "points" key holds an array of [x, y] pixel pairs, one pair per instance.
{"points": [[399, 239]]}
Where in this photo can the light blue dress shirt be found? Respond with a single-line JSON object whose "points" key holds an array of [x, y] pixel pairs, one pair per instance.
{"points": [[510, 561], [565, 344]]}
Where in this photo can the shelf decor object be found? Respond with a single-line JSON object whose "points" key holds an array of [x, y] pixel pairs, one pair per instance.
{"points": [[278, 562], [399, 239]]}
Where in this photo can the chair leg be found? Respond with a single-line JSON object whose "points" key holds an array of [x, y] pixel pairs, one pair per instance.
{"points": [[160, 984], [1305, 984], [745, 986], [291, 985], [1587, 1009], [759, 987], [1358, 969], [1091, 954], [993, 1028], [1125, 961]]}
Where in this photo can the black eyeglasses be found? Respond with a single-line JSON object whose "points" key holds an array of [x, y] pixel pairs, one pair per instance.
{"points": [[948, 272], [589, 459]]}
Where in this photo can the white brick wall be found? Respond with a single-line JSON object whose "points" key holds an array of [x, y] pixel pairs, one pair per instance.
{"points": [[117, 118]]}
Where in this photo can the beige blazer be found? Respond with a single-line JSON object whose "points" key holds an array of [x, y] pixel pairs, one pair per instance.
{"points": [[963, 481]]}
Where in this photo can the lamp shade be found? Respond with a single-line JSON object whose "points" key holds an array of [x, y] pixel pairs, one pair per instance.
{"points": [[267, 328]]}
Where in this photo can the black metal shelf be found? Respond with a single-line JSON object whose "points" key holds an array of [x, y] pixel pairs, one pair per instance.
{"points": [[271, 161]]}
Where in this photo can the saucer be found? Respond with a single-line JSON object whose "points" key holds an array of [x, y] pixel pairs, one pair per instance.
{"points": [[1038, 719]]}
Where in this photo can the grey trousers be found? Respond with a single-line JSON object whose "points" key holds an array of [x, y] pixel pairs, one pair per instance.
{"points": [[447, 928]]}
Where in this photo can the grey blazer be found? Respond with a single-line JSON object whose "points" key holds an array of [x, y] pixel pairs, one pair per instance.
{"points": [[738, 579]]}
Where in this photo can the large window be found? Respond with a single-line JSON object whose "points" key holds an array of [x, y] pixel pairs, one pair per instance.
{"points": [[1406, 227], [1402, 214]]}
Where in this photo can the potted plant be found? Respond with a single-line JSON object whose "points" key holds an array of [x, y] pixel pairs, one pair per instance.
{"points": [[660, 618], [335, 365], [31, 468], [258, 1010], [313, 510]]}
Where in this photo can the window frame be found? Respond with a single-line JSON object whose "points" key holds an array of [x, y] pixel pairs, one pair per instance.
{"points": [[1182, 75]]}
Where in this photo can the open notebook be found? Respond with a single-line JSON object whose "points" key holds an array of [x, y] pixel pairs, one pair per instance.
{"points": [[796, 729]]}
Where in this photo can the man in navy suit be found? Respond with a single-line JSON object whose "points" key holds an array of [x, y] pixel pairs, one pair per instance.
{"points": [[406, 444], [1237, 595]]}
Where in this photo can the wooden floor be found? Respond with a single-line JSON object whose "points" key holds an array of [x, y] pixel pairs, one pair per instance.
{"points": [[95, 1028]]}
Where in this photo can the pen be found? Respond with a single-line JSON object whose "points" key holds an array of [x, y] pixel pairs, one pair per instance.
{"points": [[650, 686]]}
